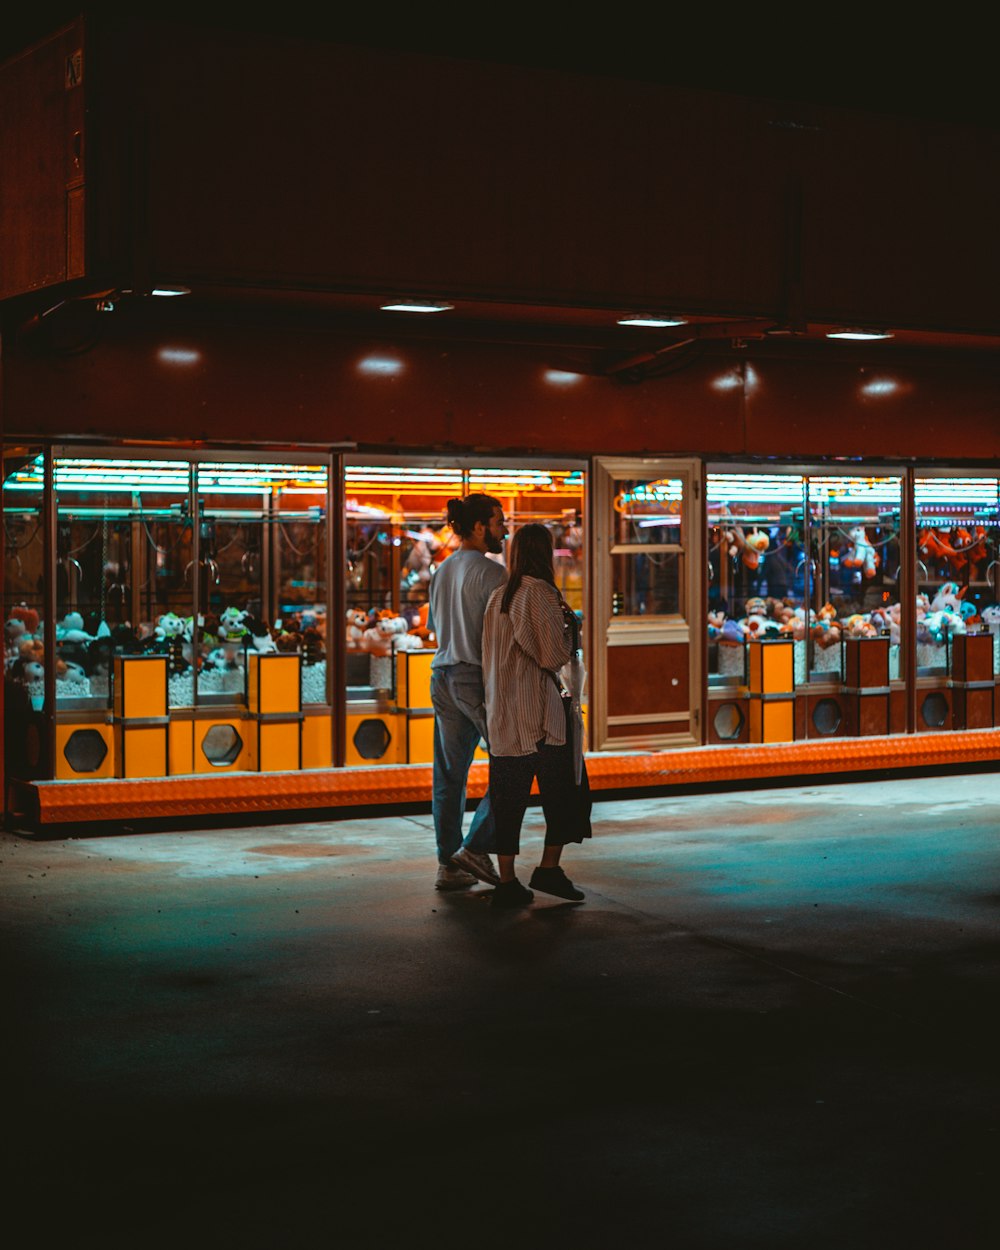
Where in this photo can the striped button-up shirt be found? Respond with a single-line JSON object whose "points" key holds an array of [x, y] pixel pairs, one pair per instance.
{"points": [[522, 649]]}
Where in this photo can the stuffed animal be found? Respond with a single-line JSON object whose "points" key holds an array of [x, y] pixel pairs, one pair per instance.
{"points": [[261, 639], [27, 616], [419, 628], [966, 548], [407, 641], [420, 562], [756, 606], [70, 629], [716, 622], [796, 624], [14, 632], [991, 618], [287, 640], [859, 625], [27, 671], [861, 554], [168, 626], [392, 628], [357, 623], [232, 623], [754, 546], [224, 658], [931, 546], [313, 649], [948, 598], [825, 629], [935, 626]]}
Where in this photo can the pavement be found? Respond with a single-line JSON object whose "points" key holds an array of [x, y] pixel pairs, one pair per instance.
{"points": [[773, 1023]]}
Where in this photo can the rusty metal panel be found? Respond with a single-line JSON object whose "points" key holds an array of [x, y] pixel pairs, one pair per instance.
{"points": [[42, 158]]}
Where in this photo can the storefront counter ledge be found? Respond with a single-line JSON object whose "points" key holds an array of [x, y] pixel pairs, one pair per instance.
{"points": [[47, 803]]}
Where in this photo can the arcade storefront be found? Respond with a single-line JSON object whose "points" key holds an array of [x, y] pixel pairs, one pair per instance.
{"points": [[195, 630]]}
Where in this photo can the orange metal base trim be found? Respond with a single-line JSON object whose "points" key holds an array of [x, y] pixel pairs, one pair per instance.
{"points": [[62, 802]]}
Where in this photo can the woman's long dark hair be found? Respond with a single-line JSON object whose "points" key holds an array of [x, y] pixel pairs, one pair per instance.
{"points": [[530, 554], [463, 513]]}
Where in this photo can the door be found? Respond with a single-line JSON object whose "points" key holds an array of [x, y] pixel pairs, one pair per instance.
{"points": [[646, 685]]}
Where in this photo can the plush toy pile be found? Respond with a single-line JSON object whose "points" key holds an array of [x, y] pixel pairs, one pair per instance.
{"points": [[938, 619], [83, 659], [382, 633]]}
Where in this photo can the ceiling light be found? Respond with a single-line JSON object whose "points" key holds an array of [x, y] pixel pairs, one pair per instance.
{"points": [[171, 290], [856, 333], [417, 306], [650, 321]]}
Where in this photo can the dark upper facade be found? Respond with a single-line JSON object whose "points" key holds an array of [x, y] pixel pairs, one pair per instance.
{"points": [[294, 186]]}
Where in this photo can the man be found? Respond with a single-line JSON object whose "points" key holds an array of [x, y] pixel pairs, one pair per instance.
{"points": [[459, 590]]}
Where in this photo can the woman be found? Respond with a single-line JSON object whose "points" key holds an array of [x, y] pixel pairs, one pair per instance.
{"points": [[526, 640]]}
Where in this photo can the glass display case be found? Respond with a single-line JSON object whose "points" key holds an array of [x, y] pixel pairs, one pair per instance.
{"points": [[201, 561], [757, 578], [957, 540], [855, 557], [24, 611], [397, 537], [813, 557]]}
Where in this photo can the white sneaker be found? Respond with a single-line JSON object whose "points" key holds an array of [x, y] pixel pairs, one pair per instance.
{"points": [[449, 878], [480, 865]]}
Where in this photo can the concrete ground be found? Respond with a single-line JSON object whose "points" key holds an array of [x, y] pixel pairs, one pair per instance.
{"points": [[773, 1023]]}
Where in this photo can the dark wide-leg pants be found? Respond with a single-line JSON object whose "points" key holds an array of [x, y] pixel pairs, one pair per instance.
{"points": [[566, 805]]}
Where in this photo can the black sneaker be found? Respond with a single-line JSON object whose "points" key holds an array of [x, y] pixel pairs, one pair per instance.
{"points": [[511, 894], [554, 881]]}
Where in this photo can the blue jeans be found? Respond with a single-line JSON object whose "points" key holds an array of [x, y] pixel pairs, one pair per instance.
{"points": [[459, 723]]}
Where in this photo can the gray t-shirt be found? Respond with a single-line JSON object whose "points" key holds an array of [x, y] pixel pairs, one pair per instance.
{"points": [[459, 591]]}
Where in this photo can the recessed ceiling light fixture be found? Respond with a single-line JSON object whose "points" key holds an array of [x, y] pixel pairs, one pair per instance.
{"points": [[651, 321], [855, 332], [418, 306]]}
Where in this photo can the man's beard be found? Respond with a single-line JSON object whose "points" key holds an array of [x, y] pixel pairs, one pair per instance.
{"points": [[494, 545]]}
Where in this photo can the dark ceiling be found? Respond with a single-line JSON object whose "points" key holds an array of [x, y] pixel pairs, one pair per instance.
{"points": [[859, 57]]}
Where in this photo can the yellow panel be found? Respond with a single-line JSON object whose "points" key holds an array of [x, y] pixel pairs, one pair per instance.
{"points": [[275, 682], [772, 720], [278, 746], [413, 678], [280, 683], [143, 751], [181, 746], [779, 668], [771, 667], [317, 741], [246, 732], [64, 769], [395, 750], [420, 739], [140, 685]]}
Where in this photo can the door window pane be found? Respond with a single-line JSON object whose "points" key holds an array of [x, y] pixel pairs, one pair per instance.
{"points": [[647, 553], [647, 512], [647, 583]]}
